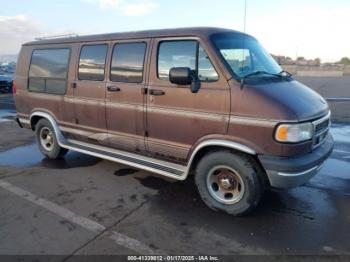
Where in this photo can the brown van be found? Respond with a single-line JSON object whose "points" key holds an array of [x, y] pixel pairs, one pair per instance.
{"points": [[204, 101]]}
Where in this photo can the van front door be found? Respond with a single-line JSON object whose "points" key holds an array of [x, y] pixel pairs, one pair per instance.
{"points": [[125, 109], [176, 117], [89, 95]]}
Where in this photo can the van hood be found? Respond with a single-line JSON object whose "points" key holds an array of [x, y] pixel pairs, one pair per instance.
{"points": [[279, 100]]}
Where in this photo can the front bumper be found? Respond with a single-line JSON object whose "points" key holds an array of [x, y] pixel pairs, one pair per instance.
{"points": [[285, 172]]}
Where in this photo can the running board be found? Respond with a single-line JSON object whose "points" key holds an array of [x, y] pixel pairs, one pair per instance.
{"points": [[160, 167]]}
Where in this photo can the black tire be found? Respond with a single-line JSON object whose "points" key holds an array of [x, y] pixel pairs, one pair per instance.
{"points": [[247, 170], [54, 151]]}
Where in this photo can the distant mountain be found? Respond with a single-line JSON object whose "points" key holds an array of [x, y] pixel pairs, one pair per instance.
{"points": [[8, 58]]}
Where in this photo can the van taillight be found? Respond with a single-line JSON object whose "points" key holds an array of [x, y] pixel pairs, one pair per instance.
{"points": [[14, 88]]}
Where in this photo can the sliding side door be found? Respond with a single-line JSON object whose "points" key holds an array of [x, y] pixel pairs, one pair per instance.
{"points": [[125, 111]]}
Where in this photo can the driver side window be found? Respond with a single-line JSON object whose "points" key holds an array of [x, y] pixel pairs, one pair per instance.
{"points": [[176, 54], [184, 54]]}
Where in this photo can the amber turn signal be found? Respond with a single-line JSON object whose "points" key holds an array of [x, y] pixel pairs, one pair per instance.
{"points": [[293, 133]]}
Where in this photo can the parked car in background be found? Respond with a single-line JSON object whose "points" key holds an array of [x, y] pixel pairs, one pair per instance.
{"points": [[6, 84], [207, 102]]}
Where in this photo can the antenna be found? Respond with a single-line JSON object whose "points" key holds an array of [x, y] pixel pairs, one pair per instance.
{"points": [[243, 42], [245, 16], [244, 30], [55, 36]]}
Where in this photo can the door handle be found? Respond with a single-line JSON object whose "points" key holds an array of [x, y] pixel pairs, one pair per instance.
{"points": [[113, 89], [156, 92]]}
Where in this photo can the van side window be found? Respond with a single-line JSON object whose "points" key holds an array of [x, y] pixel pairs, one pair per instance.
{"points": [[176, 54], [184, 54], [206, 70], [48, 71], [92, 62], [127, 62]]}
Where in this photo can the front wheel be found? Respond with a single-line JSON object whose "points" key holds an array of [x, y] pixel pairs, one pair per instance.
{"points": [[229, 182], [47, 140]]}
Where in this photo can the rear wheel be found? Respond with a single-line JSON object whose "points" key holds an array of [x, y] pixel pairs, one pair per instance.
{"points": [[229, 182], [47, 140]]}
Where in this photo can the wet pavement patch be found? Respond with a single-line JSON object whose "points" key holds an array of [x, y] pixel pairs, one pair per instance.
{"points": [[183, 197], [285, 217], [337, 168], [153, 246], [21, 156], [7, 115], [125, 171], [341, 132], [279, 201], [153, 182], [133, 197], [30, 156], [70, 226], [177, 193]]}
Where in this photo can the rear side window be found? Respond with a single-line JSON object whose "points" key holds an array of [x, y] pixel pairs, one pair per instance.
{"points": [[48, 71], [92, 62], [127, 62], [176, 54]]}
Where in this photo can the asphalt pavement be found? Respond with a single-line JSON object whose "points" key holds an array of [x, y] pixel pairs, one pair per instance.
{"points": [[337, 92], [82, 205]]}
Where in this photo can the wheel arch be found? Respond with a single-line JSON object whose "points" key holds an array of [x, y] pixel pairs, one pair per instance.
{"points": [[215, 145], [218, 145], [35, 118]]}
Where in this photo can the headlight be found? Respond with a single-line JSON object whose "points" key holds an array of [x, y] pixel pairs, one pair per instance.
{"points": [[294, 133]]}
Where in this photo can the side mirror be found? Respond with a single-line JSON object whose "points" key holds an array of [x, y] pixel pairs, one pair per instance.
{"points": [[184, 76], [180, 75]]}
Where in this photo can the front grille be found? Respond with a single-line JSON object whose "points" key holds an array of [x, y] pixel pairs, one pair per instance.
{"points": [[321, 129], [322, 126]]}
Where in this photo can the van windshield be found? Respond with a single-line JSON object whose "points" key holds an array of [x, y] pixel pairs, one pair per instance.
{"points": [[245, 55]]}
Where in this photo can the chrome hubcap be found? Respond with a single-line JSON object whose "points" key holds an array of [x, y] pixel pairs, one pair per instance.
{"points": [[225, 185], [46, 138]]}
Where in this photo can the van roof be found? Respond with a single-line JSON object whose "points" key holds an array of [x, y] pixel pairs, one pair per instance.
{"points": [[190, 31]]}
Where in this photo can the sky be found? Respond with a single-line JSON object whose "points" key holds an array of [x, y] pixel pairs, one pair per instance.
{"points": [[312, 28]]}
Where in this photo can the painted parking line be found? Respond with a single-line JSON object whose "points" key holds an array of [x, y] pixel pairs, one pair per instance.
{"points": [[341, 151], [5, 120], [133, 244], [84, 222]]}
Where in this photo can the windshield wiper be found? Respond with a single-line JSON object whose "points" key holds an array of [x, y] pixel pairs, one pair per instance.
{"points": [[281, 74], [260, 73], [257, 73]]}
